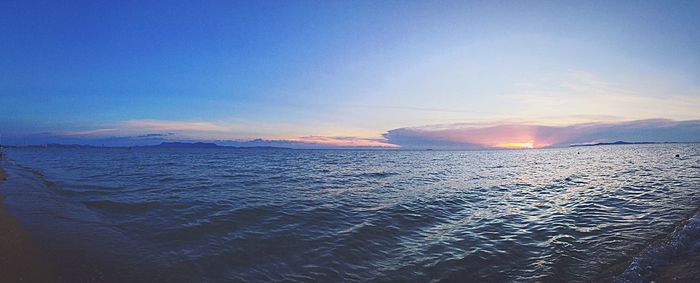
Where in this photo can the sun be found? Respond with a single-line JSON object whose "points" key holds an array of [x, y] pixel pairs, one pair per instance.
{"points": [[517, 145]]}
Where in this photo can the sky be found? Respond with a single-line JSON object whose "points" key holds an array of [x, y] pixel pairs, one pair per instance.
{"points": [[395, 74]]}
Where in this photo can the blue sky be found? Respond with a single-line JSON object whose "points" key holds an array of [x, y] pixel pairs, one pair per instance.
{"points": [[332, 71]]}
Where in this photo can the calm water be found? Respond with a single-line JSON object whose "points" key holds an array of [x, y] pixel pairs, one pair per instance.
{"points": [[573, 214]]}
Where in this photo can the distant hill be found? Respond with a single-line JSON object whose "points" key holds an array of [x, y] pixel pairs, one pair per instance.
{"points": [[207, 145], [56, 145], [161, 145], [185, 145]]}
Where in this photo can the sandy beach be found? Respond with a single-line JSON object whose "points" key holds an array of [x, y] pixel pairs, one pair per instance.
{"points": [[20, 260]]}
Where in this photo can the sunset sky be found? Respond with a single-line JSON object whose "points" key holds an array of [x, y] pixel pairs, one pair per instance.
{"points": [[453, 74]]}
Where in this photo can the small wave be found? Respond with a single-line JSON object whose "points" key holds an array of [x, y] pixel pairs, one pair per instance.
{"points": [[34, 172], [126, 207], [376, 174], [56, 188], [53, 186], [202, 224], [684, 240], [70, 192]]}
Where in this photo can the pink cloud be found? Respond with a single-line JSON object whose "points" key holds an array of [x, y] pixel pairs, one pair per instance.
{"points": [[515, 135], [346, 141]]}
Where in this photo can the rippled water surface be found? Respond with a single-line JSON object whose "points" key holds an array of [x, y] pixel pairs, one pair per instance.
{"points": [[325, 215]]}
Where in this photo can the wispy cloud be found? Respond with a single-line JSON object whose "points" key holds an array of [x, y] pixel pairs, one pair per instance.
{"points": [[312, 142], [588, 94], [87, 133], [165, 125], [149, 132], [346, 141]]}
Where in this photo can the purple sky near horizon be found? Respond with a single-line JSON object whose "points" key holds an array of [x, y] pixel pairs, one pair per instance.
{"points": [[453, 74]]}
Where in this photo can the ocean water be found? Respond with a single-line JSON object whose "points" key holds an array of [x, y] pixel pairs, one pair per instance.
{"points": [[191, 215]]}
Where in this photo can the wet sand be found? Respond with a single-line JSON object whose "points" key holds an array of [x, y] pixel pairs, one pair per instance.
{"points": [[20, 260]]}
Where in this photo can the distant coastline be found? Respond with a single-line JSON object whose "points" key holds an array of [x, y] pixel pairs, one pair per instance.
{"points": [[211, 145], [622, 143], [161, 145]]}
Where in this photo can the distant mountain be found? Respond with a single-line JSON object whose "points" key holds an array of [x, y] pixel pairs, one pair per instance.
{"points": [[185, 145], [161, 145], [616, 143], [207, 145], [57, 145]]}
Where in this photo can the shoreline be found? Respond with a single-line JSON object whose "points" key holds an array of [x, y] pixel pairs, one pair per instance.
{"points": [[20, 259]]}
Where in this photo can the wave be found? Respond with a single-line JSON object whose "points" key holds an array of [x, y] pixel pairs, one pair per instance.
{"points": [[31, 170], [126, 207], [376, 174], [202, 223], [56, 187]]}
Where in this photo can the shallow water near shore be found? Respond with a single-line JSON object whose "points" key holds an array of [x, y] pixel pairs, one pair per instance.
{"points": [[325, 215]]}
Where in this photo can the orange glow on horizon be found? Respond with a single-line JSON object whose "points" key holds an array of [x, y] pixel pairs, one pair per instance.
{"points": [[520, 145]]}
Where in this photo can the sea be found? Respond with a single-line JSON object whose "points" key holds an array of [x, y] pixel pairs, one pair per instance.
{"points": [[578, 214]]}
